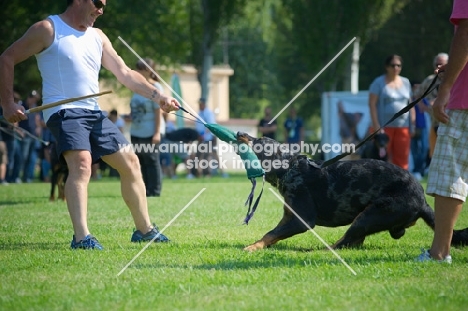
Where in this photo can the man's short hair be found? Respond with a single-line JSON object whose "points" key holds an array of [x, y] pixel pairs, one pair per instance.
{"points": [[440, 55]]}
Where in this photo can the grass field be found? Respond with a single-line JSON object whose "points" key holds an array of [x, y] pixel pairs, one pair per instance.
{"points": [[204, 267]]}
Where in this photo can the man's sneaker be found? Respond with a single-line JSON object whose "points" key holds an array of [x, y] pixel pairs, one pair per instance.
{"points": [[89, 242], [140, 237], [425, 256]]}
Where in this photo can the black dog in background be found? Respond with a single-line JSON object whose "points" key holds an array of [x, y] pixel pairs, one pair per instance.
{"points": [[369, 195], [376, 148], [59, 174]]}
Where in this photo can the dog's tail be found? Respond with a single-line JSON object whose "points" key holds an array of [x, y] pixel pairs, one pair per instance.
{"points": [[460, 237], [427, 214]]}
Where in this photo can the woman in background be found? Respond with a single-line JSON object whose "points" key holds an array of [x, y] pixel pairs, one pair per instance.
{"points": [[388, 94], [147, 129]]}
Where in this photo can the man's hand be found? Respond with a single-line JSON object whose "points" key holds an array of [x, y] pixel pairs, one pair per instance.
{"points": [[168, 103], [440, 71], [438, 108], [14, 113], [156, 138]]}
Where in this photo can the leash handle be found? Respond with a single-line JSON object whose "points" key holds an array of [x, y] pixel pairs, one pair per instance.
{"points": [[396, 115], [64, 101]]}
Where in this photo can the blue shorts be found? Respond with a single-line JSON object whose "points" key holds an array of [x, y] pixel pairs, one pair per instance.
{"points": [[83, 129]]}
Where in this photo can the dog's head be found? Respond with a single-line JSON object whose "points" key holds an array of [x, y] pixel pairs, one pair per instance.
{"points": [[265, 148], [273, 156]]}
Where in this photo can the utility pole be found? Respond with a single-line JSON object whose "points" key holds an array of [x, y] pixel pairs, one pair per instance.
{"points": [[355, 67]]}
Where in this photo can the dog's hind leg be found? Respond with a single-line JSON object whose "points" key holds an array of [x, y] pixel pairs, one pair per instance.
{"points": [[61, 186], [372, 220], [53, 182]]}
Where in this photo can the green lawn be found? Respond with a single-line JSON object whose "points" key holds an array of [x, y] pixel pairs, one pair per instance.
{"points": [[204, 267]]}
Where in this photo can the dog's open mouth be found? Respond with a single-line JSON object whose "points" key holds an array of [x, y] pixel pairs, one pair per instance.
{"points": [[382, 152]]}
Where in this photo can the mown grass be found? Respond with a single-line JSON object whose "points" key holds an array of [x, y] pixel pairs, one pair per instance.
{"points": [[204, 267]]}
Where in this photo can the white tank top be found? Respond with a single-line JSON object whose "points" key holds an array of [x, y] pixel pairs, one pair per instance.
{"points": [[70, 67]]}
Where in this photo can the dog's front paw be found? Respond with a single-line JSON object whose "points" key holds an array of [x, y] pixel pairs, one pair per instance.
{"points": [[254, 247]]}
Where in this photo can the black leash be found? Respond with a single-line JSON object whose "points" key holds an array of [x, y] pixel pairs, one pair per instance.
{"points": [[198, 119], [395, 116], [23, 131], [181, 116]]}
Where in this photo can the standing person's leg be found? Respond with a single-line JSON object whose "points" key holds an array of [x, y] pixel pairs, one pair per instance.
{"points": [[23, 153], [446, 215], [30, 168], [432, 140], [447, 181], [132, 187], [390, 131], [76, 190], [106, 141], [203, 154], [415, 151], [142, 158], [71, 129], [3, 162], [401, 147], [10, 146], [28, 147], [424, 150], [17, 160], [153, 169]]}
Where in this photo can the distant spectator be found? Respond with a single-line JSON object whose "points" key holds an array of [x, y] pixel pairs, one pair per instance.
{"points": [[12, 142], [147, 128], [264, 127], [294, 127], [388, 94], [419, 138], [440, 59], [29, 145], [208, 141], [3, 159], [165, 157], [117, 120]]}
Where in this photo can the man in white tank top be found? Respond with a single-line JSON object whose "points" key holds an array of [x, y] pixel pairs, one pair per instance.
{"points": [[70, 53]]}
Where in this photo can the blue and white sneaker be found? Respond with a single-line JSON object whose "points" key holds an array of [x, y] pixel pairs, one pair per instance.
{"points": [[426, 256], [138, 236], [89, 242]]}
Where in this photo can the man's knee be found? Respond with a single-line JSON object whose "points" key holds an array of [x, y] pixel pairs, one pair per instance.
{"points": [[78, 162], [127, 164]]}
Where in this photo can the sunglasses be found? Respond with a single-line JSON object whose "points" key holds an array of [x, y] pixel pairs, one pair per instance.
{"points": [[98, 4], [395, 65]]}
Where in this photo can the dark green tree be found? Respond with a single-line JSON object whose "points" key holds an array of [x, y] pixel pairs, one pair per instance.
{"points": [[313, 32], [216, 14], [418, 32]]}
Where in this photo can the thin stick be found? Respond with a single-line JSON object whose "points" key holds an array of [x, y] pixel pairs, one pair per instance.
{"points": [[23, 131], [64, 101]]}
